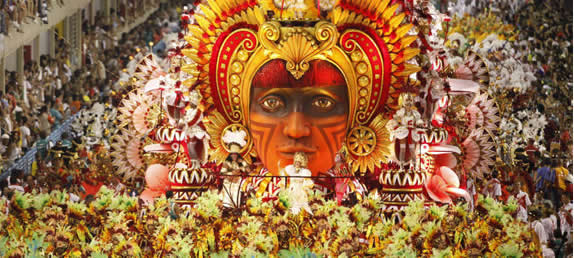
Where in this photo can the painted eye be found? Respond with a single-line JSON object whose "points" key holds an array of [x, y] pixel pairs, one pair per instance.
{"points": [[323, 104], [271, 104]]}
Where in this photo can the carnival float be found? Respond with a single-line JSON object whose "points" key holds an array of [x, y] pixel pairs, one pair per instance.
{"points": [[294, 127], [369, 93]]}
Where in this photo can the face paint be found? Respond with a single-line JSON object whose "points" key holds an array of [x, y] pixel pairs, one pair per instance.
{"points": [[285, 120]]}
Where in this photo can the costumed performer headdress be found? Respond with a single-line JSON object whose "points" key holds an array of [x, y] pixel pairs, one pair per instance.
{"points": [[301, 158]]}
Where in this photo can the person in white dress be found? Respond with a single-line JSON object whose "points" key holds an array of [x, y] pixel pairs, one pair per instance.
{"points": [[549, 221], [523, 202], [565, 214], [541, 233], [299, 183], [493, 187]]}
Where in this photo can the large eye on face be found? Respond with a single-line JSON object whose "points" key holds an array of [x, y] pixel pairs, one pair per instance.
{"points": [[323, 103], [271, 103]]}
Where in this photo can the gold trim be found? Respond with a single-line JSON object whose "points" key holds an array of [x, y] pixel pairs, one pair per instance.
{"points": [[361, 109], [237, 114], [175, 187], [401, 190]]}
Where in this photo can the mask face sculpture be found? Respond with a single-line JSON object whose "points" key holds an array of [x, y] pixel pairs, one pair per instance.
{"points": [[307, 115], [300, 85]]}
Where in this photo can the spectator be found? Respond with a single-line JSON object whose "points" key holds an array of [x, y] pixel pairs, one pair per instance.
{"points": [[13, 151], [44, 120], [25, 133], [545, 179], [4, 144], [560, 186]]}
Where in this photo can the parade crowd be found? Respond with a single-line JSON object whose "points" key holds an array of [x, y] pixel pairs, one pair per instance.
{"points": [[15, 13], [52, 92]]}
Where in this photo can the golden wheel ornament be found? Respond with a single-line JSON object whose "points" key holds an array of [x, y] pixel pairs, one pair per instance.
{"points": [[362, 141]]}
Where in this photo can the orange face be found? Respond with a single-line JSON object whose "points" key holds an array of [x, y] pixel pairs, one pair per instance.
{"points": [[307, 115]]}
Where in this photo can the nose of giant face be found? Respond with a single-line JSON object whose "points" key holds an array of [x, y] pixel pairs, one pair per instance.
{"points": [[296, 126]]}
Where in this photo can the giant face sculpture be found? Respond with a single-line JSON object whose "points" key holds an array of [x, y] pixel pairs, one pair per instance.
{"points": [[289, 115], [277, 86]]}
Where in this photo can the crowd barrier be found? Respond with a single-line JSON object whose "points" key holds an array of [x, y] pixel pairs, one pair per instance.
{"points": [[25, 162]]}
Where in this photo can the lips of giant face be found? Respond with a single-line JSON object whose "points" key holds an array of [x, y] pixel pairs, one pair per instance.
{"points": [[289, 115]]}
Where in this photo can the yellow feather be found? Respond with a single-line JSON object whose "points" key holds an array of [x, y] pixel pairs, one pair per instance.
{"points": [[372, 6], [250, 16], [209, 14], [259, 14], [231, 4], [336, 15], [214, 7], [410, 53], [406, 41], [193, 54], [382, 7], [363, 4], [204, 24], [402, 31], [193, 41], [343, 17], [196, 31], [396, 20], [409, 69], [190, 69], [352, 17], [225, 5], [389, 12], [367, 22], [225, 26], [232, 20]]}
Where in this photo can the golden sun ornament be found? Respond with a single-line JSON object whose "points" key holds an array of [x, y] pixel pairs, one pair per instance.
{"points": [[370, 145], [362, 141]]}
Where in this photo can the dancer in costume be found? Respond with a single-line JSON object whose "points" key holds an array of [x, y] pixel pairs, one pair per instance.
{"points": [[298, 185], [404, 129], [234, 167]]}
